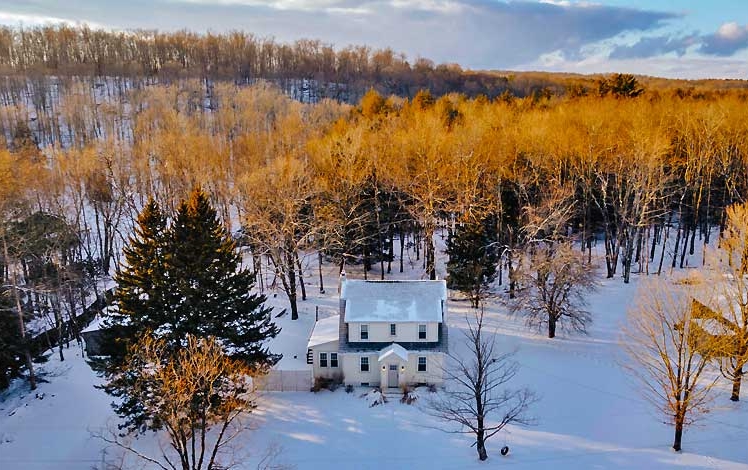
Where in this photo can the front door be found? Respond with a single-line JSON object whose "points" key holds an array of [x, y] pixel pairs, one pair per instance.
{"points": [[392, 376]]}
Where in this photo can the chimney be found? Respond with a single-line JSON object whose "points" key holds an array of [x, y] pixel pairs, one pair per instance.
{"points": [[341, 280]]}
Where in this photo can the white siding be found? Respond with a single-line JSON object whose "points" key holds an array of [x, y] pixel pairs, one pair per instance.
{"points": [[410, 375], [407, 375], [406, 332], [327, 372], [352, 372]]}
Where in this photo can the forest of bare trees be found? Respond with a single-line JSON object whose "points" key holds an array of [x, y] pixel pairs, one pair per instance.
{"points": [[308, 70]]}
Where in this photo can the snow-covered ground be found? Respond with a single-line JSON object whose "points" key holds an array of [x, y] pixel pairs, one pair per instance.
{"points": [[590, 415]]}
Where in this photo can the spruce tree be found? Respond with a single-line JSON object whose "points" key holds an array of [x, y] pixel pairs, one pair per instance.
{"points": [[180, 281], [142, 286], [473, 258], [186, 279], [210, 294]]}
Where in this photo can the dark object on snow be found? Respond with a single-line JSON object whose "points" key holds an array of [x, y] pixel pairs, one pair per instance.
{"points": [[93, 342], [504, 450]]}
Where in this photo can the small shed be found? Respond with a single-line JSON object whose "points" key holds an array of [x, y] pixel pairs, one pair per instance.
{"points": [[92, 335]]}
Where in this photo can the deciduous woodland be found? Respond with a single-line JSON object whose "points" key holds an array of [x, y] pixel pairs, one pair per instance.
{"points": [[94, 123]]}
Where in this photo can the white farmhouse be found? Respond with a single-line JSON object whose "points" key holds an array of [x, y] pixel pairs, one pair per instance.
{"points": [[388, 334]]}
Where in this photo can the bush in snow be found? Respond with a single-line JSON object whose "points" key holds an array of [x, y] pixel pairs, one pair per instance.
{"points": [[409, 395], [375, 397]]}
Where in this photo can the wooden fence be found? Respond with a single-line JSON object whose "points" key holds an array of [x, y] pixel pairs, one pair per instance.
{"points": [[285, 381]]}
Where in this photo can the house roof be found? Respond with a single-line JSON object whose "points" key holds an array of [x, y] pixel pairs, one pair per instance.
{"points": [[325, 331], [393, 349], [393, 301]]}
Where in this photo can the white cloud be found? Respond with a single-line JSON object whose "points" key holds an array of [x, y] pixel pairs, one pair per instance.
{"points": [[11, 18], [731, 31], [688, 67]]}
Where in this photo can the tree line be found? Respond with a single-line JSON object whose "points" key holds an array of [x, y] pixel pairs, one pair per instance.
{"points": [[343, 73], [308, 69]]}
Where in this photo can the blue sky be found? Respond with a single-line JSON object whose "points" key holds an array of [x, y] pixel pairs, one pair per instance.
{"points": [[672, 38]]}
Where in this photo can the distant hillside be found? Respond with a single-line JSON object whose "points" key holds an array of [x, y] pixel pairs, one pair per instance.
{"points": [[309, 70]]}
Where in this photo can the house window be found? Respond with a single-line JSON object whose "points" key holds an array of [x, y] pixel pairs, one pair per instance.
{"points": [[421, 331], [323, 359], [333, 359], [422, 364], [364, 332], [364, 384], [393, 329], [364, 364]]}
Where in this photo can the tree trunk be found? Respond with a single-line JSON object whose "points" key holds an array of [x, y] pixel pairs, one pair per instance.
{"points": [[663, 241], [480, 441], [402, 245], [610, 262], [391, 247], [677, 240], [291, 290], [628, 257], [551, 325], [21, 325], [319, 266], [736, 385], [301, 276], [686, 233], [512, 277], [678, 434]]}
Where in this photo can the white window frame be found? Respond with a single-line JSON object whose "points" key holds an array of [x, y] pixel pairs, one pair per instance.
{"points": [[364, 361], [425, 331], [334, 357], [425, 361], [393, 329], [363, 329], [323, 357]]}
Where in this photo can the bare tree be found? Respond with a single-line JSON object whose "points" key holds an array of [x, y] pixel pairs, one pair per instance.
{"points": [[196, 394], [553, 289], [278, 219], [476, 401], [729, 279], [658, 338]]}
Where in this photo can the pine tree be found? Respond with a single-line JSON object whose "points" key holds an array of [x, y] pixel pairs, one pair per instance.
{"points": [[186, 279], [141, 294], [473, 258], [181, 281], [211, 294]]}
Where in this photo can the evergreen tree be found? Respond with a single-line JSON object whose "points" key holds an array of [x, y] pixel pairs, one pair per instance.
{"points": [[473, 258], [180, 281], [10, 341], [141, 294], [210, 295]]}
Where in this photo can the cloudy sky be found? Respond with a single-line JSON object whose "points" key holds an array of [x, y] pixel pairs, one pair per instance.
{"points": [[673, 38]]}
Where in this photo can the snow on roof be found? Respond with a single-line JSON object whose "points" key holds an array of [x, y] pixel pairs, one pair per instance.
{"points": [[326, 330], [393, 349], [95, 325], [393, 301]]}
